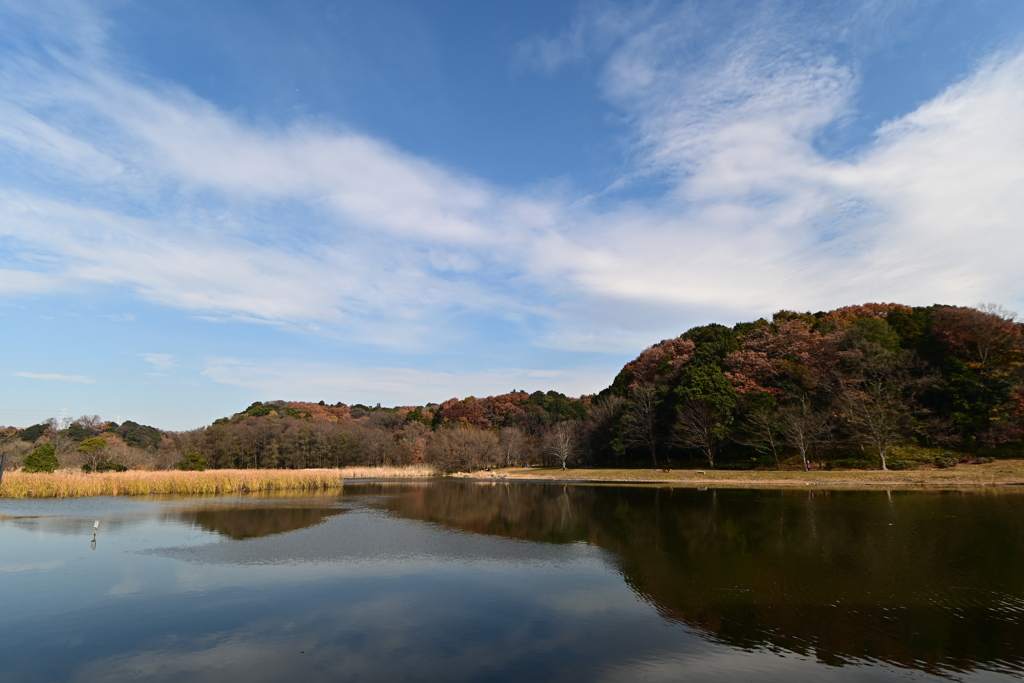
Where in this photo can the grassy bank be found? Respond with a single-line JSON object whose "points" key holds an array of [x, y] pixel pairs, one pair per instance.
{"points": [[72, 484], [999, 473]]}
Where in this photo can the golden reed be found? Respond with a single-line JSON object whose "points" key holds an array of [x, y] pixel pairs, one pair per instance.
{"points": [[72, 484]]}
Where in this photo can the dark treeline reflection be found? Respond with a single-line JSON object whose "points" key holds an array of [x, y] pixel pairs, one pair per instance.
{"points": [[928, 580], [250, 521]]}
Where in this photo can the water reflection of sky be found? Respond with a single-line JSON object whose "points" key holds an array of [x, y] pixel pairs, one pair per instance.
{"points": [[358, 593]]}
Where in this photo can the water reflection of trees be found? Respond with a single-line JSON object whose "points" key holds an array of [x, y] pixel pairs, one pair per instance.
{"points": [[249, 521], [930, 581]]}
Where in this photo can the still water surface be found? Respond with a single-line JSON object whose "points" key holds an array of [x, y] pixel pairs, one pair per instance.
{"points": [[454, 580]]}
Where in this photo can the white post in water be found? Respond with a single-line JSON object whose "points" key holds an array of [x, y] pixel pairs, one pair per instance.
{"points": [[95, 529]]}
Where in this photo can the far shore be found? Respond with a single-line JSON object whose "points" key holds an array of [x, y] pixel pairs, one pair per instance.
{"points": [[1001, 473], [1005, 474]]}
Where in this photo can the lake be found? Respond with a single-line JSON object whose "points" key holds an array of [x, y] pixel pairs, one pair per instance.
{"points": [[461, 580]]}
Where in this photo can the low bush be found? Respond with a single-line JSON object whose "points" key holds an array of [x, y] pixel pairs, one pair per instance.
{"points": [[193, 462], [104, 466], [946, 460], [901, 464], [42, 459]]}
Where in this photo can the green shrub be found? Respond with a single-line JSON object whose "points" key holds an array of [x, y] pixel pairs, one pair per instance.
{"points": [[900, 464], [42, 459], [96, 443], [105, 466], [193, 461], [32, 433], [946, 460], [77, 432]]}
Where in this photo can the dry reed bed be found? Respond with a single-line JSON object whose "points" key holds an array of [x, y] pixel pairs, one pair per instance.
{"points": [[72, 484]]}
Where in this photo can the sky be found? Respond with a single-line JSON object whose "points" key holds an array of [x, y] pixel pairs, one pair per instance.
{"points": [[206, 204]]}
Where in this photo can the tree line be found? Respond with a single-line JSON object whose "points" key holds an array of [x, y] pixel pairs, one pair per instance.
{"points": [[873, 385]]}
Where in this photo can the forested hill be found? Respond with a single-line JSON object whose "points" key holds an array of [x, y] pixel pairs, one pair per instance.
{"points": [[873, 385], [851, 383]]}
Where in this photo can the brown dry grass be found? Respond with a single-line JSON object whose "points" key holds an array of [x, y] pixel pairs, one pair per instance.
{"points": [[999, 473], [384, 472], [73, 484]]}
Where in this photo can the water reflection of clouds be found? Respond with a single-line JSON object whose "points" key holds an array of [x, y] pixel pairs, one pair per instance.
{"points": [[31, 567], [458, 625], [130, 583], [240, 657], [78, 526]]}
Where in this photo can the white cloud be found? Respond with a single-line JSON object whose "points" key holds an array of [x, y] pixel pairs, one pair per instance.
{"points": [[160, 361], [393, 386], [54, 376], [756, 218], [386, 248], [594, 31]]}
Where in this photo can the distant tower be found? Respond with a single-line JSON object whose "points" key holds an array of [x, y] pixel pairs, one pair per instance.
{"points": [[65, 421]]}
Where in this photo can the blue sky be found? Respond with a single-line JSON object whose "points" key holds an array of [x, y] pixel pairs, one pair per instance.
{"points": [[207, 204]]}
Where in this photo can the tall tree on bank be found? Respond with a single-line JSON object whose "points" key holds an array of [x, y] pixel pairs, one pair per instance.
{"points": [[878, 385], [562, 441], [804, 427], [640, 420], [706, 405], [761, 429]]}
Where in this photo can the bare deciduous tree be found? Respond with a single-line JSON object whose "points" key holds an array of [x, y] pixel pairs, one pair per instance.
{"points": [[879, 404], [462, 449], [639, 422], [599, 433], [761, 431], [562, 441], [513, 446], [699, 427], [804, 428]]}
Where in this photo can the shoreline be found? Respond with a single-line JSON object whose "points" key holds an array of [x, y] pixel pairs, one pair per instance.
{"points": [[1002, 474], [1008, 474]]}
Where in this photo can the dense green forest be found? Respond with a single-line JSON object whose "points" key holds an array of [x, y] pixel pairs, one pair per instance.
{"points": [[867, 386]]}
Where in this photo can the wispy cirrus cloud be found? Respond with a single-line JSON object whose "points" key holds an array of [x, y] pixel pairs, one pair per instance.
{"points": [[55, 377], [160, 361]]}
